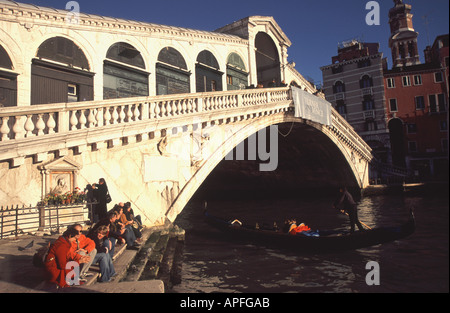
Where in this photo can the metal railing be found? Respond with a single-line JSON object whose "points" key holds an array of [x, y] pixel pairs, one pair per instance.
{"points": [[16, 220]]}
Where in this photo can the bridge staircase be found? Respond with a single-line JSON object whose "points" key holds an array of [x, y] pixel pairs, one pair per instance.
{"points": [[157, 258]]}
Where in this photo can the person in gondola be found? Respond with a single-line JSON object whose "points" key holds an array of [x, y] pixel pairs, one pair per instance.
{"points": [[348, 204], [100, 194]]}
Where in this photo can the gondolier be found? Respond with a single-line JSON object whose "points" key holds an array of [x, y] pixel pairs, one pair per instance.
{"points": [[345, 200]]}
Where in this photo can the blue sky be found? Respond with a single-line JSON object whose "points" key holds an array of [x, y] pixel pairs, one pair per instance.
{"points": [[314, 27]]}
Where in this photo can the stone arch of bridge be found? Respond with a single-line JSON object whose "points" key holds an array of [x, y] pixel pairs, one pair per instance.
{"points": [[246, 131]]}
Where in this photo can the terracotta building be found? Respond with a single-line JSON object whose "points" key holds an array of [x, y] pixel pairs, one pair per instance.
{"points": [[417, 111], [417, 99]]}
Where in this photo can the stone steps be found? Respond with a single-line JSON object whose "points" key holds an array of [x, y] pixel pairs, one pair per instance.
{"points": [[161, 262]]}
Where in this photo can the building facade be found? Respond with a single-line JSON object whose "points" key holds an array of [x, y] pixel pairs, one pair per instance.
{"points": [[401, 112], [417, 114], [353, 83], [417, 99]]}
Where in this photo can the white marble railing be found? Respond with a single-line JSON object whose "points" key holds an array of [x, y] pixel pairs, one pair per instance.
{"points": [[41, 120], [35, 130]]}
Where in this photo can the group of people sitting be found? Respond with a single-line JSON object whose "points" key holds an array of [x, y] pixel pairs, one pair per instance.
{"points": [[74, 249]]}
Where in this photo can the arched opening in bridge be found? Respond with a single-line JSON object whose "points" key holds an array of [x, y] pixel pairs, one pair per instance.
{"points": [[310, 164], [172, 75], [267, 60], [8, 81], [60, 73], [124, 72], [237, 75], [395, 126], [208, 76]]}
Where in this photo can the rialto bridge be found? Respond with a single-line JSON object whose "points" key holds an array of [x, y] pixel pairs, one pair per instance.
{"points": [[154, 109]]}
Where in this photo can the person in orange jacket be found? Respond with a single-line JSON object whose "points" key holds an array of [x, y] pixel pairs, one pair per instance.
{"points": [[80, 247], [298, 229], [58, 256]]}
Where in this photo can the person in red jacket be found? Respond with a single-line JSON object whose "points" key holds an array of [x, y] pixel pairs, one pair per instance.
{"points": [[58, 256]]}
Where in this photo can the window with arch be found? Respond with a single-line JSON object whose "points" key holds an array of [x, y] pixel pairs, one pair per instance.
{"points": [[338, 87], [208, 76], [237, 76], [63, 50], [124, 74], [366, 82], [8, 81], [60, 73], [172, 75]]}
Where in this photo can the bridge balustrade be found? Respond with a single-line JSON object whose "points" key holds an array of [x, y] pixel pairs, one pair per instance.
{"points": [[38, 129]]}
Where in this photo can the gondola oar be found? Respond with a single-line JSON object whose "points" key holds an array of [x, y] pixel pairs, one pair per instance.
{"points": [[362, 223]]}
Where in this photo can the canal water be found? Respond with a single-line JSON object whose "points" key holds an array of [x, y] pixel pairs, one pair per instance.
{"points": [[418, 263]]}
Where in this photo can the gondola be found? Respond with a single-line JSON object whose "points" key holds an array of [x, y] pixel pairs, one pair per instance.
{"points": [[326, 241]]}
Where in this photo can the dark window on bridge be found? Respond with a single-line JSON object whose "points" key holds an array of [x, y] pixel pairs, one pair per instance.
{"points": [[208, 77], [127, 54], [237, 76], [64, 51], [172, 75], [8, 81], [59, 63], [122, 74], [267, 60]]}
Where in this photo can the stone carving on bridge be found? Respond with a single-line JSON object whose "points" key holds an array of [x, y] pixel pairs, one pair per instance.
{"points": [[187, 146], [59, 176]]}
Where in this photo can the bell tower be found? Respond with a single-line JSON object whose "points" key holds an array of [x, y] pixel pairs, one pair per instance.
{"points": [[403, 40]]}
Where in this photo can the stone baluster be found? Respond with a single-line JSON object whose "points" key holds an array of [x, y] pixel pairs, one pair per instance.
{"points": [[107, 116], [152, 110], [83, 119], [130, 112], [91, 118], [207, 103], [51, 123], [184, 106], [122, 114], [158, 109], [29, 126], [40, 125], [18, 129], [4, 130], [99, 117], [175, 109], [136, 112], [115, 115], [162, 106], [189, 106], [73, 120]]}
